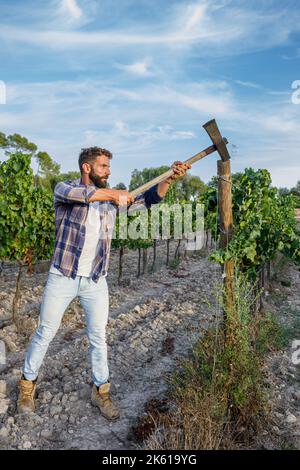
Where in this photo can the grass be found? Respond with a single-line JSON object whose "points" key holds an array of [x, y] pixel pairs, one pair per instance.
{"points": [[174, 263], [217, 398], [287, 446], [270, 335]]}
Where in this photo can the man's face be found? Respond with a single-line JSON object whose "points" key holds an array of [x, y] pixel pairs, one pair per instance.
{"points": [[100, 171]]}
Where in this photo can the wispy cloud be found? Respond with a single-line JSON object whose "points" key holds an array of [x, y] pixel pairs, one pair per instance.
{"points": [[279, 93], [151, 133], [66, 15], [202, 23], [141, 68], [140, 78], [73, 39], [2, 92], [110, 116], [71, 8], [194, 17], [257, 86], [249, 84]]}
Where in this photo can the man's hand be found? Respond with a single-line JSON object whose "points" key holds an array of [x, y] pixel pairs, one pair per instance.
{"points": [[122, 197], [179, 170]]}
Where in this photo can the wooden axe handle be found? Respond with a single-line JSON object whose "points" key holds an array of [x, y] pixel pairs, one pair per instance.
{"points": [[169, 173]]}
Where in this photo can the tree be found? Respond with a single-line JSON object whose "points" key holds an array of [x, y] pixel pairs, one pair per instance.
{"points": [[54, 179], [16, 143], [140, 177], [184, 189], [47, 167], [295, 192], [191, 187], [283, 191], [120, 186], [296, 189]]}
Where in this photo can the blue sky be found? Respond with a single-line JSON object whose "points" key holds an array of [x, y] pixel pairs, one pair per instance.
{"points": [[140, 77]]}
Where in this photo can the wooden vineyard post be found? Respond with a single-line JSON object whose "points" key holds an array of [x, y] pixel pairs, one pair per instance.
{"points": [[225, 218], [226, 224]]}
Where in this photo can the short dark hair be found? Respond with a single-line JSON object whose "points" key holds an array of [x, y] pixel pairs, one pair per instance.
{"points": [[90, 154]]}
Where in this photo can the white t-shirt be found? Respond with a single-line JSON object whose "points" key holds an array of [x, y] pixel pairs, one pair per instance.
{"points": [[89, 249]]}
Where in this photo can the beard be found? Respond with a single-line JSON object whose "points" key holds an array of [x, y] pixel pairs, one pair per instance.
{"points": [[100, 182]]}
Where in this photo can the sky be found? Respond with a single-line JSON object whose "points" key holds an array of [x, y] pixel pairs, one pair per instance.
{"points": [[141, 77]]}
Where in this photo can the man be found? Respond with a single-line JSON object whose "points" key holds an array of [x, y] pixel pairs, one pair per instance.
{"points": [[84, 212]]}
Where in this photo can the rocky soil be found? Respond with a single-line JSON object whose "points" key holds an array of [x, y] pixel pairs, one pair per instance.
{"points": [[283, 368], [153, 322]]}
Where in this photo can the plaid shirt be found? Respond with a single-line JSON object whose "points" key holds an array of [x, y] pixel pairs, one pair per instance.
{"points": [[71, 210]]}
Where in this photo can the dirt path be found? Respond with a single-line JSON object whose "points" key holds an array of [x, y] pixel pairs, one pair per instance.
{"points": [[152, 323]]}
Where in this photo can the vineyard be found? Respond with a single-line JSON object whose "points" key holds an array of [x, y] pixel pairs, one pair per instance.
{"points": [[188, 330]]}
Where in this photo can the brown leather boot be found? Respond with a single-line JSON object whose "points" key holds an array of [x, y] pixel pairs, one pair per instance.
{"points": [[102, 399], [26, 395]]}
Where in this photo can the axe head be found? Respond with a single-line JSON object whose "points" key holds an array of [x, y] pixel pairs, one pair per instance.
{"points": [[212, 129]]}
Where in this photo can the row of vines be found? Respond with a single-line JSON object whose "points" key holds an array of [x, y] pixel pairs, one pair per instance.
{"points": [[264, 221], [264, 225]]}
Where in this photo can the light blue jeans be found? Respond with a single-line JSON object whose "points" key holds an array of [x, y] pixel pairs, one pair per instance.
{"points": [[58, 293]]}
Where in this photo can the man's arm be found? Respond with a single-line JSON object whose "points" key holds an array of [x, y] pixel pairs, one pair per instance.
{"points": [[162, 188], [179, 170], [119, 197], [66, 193], [158, 192]]}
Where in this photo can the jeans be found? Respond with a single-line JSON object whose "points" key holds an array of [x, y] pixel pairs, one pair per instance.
{"points": [[59, 292]]}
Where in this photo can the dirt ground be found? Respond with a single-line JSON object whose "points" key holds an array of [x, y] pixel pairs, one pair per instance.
{"points": [[152, 324]]}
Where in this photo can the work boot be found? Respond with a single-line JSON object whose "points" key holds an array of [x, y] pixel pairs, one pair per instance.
{"points": [[26, 395], [101, 398]]}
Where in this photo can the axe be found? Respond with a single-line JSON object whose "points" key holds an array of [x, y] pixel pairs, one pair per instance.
{"points": [[219, 145]]}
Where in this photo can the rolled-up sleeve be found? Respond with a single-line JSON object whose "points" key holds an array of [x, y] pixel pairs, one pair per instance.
{"points": [[67, 193], [145, 200], [151, 196]]}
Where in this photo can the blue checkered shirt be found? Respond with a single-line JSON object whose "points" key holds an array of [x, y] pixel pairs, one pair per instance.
{"points": [[71, 210]]}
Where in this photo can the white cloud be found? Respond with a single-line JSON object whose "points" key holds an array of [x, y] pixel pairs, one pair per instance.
{"points": [[158, 122], [191, 31], [280, 124], [194, 17], [205, 98], [279, 93], [151, 133], [71, 8], [203, 25], [72, 39], [66, 15], [248, 84], [140, 68], [2, 92]]}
